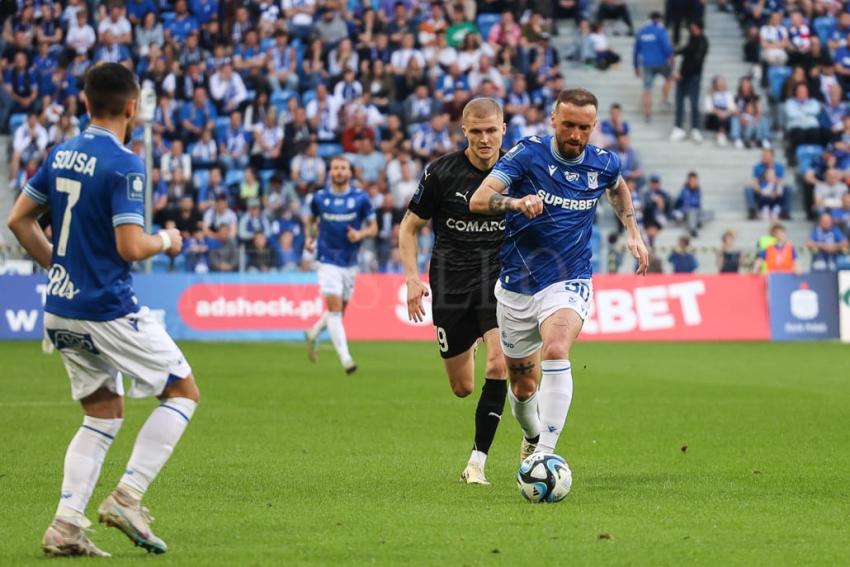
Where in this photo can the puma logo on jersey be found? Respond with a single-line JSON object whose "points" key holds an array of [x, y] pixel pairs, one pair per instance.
{"points": [[462, 196]]}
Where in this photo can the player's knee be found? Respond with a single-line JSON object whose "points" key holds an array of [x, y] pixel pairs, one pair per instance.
{"points": [[496, 368], [524, 388], [556, 350], [185, 388], [461, 389]]}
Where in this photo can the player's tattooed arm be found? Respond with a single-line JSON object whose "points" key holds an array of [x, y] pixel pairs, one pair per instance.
{"points": [[499, 203], [620, 198], [311, 230], [489, 199]]}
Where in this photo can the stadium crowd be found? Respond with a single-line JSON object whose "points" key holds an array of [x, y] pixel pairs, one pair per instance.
{"points": [[253, 99]]}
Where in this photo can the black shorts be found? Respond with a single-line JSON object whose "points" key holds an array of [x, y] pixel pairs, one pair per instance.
{"points": [[463, 318]]}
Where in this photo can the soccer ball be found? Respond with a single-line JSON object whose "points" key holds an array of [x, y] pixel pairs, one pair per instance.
{"points": [[544, 477]]}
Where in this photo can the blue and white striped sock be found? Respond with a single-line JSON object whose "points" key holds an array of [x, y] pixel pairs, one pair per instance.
{"points": [[155, 443], [83, 461], [556, 393]]}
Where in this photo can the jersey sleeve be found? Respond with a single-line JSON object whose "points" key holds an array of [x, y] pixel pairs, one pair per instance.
{"points": [[38, 187], [426, 200], [367, 213], [615, 168], [513, 166], [128, 194]]}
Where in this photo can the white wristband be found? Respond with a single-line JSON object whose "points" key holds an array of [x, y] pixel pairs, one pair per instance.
{"points": [[166, 240]]}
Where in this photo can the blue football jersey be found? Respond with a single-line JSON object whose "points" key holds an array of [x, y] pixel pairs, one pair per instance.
{"points": [[555, 246], [336, 212], [91, 184]]}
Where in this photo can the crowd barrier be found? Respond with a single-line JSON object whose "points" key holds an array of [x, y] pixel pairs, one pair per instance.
{"points": [[626, 308]]}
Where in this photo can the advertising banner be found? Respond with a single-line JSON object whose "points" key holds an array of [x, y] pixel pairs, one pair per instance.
{"points": [[803, 308], [280, 306], [844, 305]]}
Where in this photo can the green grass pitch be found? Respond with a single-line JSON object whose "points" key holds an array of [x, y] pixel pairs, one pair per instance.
{"points": [[711, 454]]}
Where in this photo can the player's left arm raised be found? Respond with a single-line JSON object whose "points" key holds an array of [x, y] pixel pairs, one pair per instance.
{"points": [[620, 198], [23, 222]]}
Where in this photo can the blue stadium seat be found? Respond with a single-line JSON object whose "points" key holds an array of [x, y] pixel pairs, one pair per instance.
{"points": [[201, 177], [16, 120], [806, 154], [485, 22], [267, 43], [824, 26], [308, 96], [776, 77], [327, 150], [222, 123], [234, 177]]}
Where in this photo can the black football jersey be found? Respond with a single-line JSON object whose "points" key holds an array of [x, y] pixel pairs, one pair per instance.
{"points": [[466, 245]]}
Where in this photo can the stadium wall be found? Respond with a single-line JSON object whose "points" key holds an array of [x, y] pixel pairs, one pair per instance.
{"points": [[627, 308]]}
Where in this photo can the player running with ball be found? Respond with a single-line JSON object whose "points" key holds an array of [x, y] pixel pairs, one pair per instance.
{"points": [[94, 189], [464, 269], [544, 291]]}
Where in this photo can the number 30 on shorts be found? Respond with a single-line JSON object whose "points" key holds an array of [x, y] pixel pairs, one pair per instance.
{"points": [[579, 288], [442, 339]]}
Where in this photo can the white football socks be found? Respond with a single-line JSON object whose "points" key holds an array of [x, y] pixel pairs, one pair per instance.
{"points": [[337, 332], [556, 393], [83, 461], [478, 457], [155, 443], [525, 412], [318, 326]]}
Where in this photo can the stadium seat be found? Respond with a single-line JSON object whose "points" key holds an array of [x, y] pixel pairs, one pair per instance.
{"points": [[485, 22], [222, 123], [16, 120], [327, 150], [234, 177], [806, 154], [267, 43], [824, 26], [166, 18], [776, 77], [308, 96]]}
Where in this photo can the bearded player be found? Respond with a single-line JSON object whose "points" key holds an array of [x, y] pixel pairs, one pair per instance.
{"points": [[548, 188]]}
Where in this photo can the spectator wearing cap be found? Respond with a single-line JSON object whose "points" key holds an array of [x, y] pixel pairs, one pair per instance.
{"points": [[227, 90], [688, 205], [657, 203], [652, 55], [752, 194], [719, 109], [281, 66], [197, 115], [826, 242], [252, 221]]}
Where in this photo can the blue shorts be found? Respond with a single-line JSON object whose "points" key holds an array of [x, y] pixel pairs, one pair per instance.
{"points": [[649, 73]]}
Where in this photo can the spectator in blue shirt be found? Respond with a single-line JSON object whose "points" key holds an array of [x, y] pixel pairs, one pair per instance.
{"points": [[752, 192], [653, 55], [615, 125], [826, 242], [688, 205], [182, 24], [656, 203], [197, 115], [681, 258]]}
